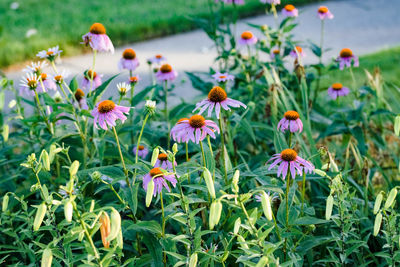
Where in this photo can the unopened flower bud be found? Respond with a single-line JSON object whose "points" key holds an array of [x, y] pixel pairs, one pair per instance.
{"points": [[4, 206], [215, 213], [5, 132], [266, 205], [46, 160], [115, 225], [41, 211], [193, 260], [149, 192], [175, 148], [120, 240], [68, 209], [209, 182], [378, 202], [377, 223], [242, 242], [154, 156], [47, 258], [105, 229], [262, 262], [235, 182], [329, 206], [73, 169], [397, 125], [236, 227], [391, 197]]}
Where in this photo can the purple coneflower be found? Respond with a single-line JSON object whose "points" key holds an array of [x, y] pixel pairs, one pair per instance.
{"points": [[157, 59], [275, 53], [223, 77], [128, 60], [247, 38], [177, 136], [50, 53], [166, 73], [80, 99], [159, 179], [337, 90], [290, 121], [163, 162], [48, 83], [346, 57], [324, 13], [272, 2], [217, 98], [289, 161], [196, 129], [290, 11], [236, 2], [299, 50], [107, 112], [29, 84], [142, 151], [98, 39], [134, 80], [87, 77]]}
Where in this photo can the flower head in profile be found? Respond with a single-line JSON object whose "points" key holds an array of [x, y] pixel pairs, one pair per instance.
{"points": [[236, 2], [195, 129], [223, 77], [36, 67], [324, 13], [217, 98], [163, 162], [291, 121], [60, 77], [166, 73], [290, 11], [107, 112], [134, 80], [157, 59], [50, 54], [247, 38], [296, 52], [150, 106], [346, 58], [287, 161], [29, 84], [86, 81], [123, 88], [98, 39], [128, 60], [272, 2], [46, 82], [142, 151], [80, 99], [160, 180], [275, 52], [337, 89]]}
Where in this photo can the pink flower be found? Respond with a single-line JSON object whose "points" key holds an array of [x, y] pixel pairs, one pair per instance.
{"points": [[290, 11], [247, 38], [346, 57], [324, 13], [128, 60], [217, 98], [274, 53], [98, 39], [157, 59], [196, 129], [163, 162], [29, 84], [272, 2], [236, 2], [160, 180], [223, 77], [291, 121], [166, 73], [107, 112], [142, 151], [80, 99], [87, 77], [48, 83], [337, 90], [297, 50], [289, 161]]}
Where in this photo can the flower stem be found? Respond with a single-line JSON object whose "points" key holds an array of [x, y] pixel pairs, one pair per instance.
{"points": [[122, 157], [39, 107], [166, 111], [138, 144], [203, 155], [93, 65], [187, 159], [287, 212], [223, 148], [163, 226], [303, 191]]}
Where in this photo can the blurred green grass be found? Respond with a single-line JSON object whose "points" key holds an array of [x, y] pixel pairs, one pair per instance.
{"points": [[64, 22]]}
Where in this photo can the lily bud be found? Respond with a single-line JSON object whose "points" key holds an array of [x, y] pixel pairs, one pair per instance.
{"points": [[391, 197], [266, 205], [4, 206], [41, 211], [193, 260], [91, 206], [47, 258], [6, 131], [120, 240], [74, 168], [46, 160], [378, 202], [68, 209], [262, 262], [236, 228], [235, 182], [215, 213], [397, 125], [115, 225], [175, 148], [377, 224], [209, 182], [105, 228], [242, 242], [154, 156], [149, 193], [329, 206]]}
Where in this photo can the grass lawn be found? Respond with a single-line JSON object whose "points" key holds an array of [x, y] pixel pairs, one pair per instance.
{"points": [[64, 22]]}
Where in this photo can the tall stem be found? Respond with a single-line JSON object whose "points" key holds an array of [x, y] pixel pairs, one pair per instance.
{"points": [[166, 112], [287, 213], [187, 159], [93, 65], [223, 148], [202, 154], [39, 107], [122, 157], [163, 226], [303, 191], [138, 144]]}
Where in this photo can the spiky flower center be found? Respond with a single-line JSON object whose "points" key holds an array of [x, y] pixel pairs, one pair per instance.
{"points": [[159, 56], [106, 106], [323, 10], [197, 121], [288, 154], [90, 73], [79, 94], [181, 120], [155, 171], [299, 49], [43, 76], [222, 77], [58, 78], [289, 7], [141, 147], [166, 68], [217, 94], [49, 53], [247, 35], [346, 52], [97, 28], [337, 86], [291, 115], [162, 156], [276, 51], [32, 83], [133, 79], [129, 53]]}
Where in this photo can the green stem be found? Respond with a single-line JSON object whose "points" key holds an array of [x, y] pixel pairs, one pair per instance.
{"points": [[202, 154], [166, 112], [93, 65], [303, 191], [122, 157], [223, 148], [138, 144], [39, 107], [187, 159], [163, 226]]}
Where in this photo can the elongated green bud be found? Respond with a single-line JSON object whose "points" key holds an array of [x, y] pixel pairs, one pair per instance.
{"points": [[47, 258], [236, 227], [120, 240], [46, 160], [154, 156], [209, 182], [266, 205], [215, 213], [115, 225], [193, 260], [242, 242], [378, 202], [41, 211], [74, 168], [4, 205], [377, 224], [235, 182], [52, 152], [329, 206], [391, 197], [6, 131], [68, 209], [262, 262], [149, 192], [320, 172], [175, 148], [91, 206], [397, 125]]}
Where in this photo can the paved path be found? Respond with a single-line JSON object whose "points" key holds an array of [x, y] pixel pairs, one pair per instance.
{"points": [[363, 25]]}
